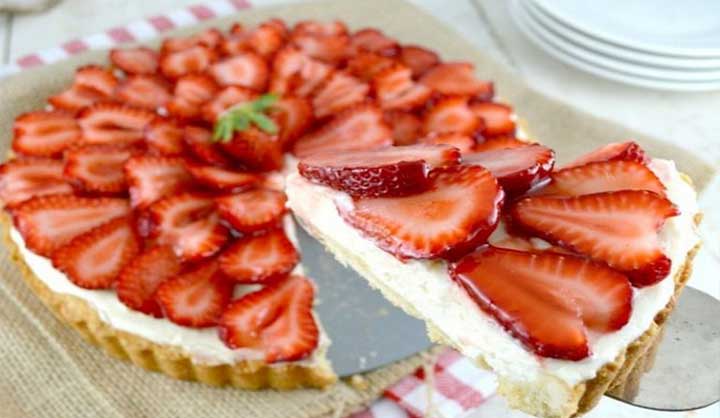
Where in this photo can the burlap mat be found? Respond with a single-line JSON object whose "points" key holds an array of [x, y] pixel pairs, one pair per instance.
{"points": [[48, 371]]}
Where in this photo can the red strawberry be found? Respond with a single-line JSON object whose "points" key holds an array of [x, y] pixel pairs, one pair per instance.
{"points": [[451, 115], [245, 70], [226, 98], [603, 176], [546, 300], [373, 40], [49, 222], [462, 142], [315, 28], [189, 223], [195, 298], [256, 149], [497, 118], [44, 134], [191, 92], [419, 59], [454, 78], [165, 137], [195, 59], [458, 213], [209, 38], [144, 91], [395, 89], [76, 98], [339, 92], [151, 178], [140, 60], [260, 259], [382, 172], [618, 228], [22, 179], [358, 128], [517, 169], [252, 210], [266, 40], [96, 78], [406, 127], [222, 179], [500, 142], [366, 65], [139, 280], [94, 259], [293, 115], [199, 140], [113, 124], [296, 73], [97, 168], [627, 151], [277, 320], [331, 49]]}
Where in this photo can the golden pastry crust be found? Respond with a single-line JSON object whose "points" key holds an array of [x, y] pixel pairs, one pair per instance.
{"points": [[167, 359]]}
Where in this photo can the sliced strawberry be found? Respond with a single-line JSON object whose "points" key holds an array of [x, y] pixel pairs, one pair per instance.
{"points": [[195, 59], [383, 172], [419, 59], [245, 70], [191, 92], [22, 179], [517, 169], [497, 118], [226, 98], [546, 300], [454, 78], [195, 298], [358, 128], [222, 179], [395, 89], [49, 222], [462, 142], [627, 151], [339, 92], [256, 149], [500, 142], [277, 320], [294, 115], [330, 49], [373, 40], [165, 137], [96, 78], [75, 98], [366, 65], [144, 91], [97, 168], [406, 127], [113, 124], [94, 259], [315, 28], [618, 228], [459, 211], [603, 176], [253, 210], [260, 259], [190, 224], [209, 38], [266, 39], [44, 134], [140, 60], [151, 178], [296, 73], [199, 140], [451, 115], [138, 281]]}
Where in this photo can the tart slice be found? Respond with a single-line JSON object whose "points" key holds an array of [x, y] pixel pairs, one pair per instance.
{"points": [[557, 279]]}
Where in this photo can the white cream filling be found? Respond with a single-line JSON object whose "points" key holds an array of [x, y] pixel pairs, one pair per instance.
{"points": [[426, 285], [203, 345]]}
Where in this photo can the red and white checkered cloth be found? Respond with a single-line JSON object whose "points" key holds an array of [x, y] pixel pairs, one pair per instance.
{"points": [[454, 385]]}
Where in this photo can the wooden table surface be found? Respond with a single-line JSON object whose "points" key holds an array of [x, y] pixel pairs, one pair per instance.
{"points": [[687, 119]]}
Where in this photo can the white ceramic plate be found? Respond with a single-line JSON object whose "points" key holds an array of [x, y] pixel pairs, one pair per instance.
{"points": [[538, 36], [671, 27]]}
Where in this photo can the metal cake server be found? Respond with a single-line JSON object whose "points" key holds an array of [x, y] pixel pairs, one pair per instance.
{"points": [[368, 332]]}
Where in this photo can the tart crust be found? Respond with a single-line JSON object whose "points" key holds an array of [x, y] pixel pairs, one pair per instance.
{"points": [[167, 359]]}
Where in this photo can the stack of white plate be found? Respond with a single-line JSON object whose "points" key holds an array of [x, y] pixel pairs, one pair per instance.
{"points": [[662, 44]]}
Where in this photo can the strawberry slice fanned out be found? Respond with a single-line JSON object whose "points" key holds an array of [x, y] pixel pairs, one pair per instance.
{"points": [[296, 73], [454, 79], [517, 169], [140, 60], [451, 115], [321, 44], [151, 178], [199, 141], [256, 149], [395, 89], [144, 91], [226, 98], [462, 142], [500, 142], [22, 179], [195, 59], [195, 298], [294, 115], [209, 38], [459, 211], [252, 210], [113, 124], [222, 179], [618, 228], [247, 70], [627, 151], [339, 92], [382, 172], [97, 168], [277, 320], [190, 93], [373, 40], [603, 176], [94, 259], [366, 65], [44, 134], [358, 128], [140, 278], [76, 98], [497, 118], [261, 258], [546, 300], [419, 59], [406, 127], [49, 222], [96, 78], [165, 137], [188, 223]]}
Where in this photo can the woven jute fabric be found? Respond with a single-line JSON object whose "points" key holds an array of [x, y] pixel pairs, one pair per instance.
{"points": [[49, 371]]}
